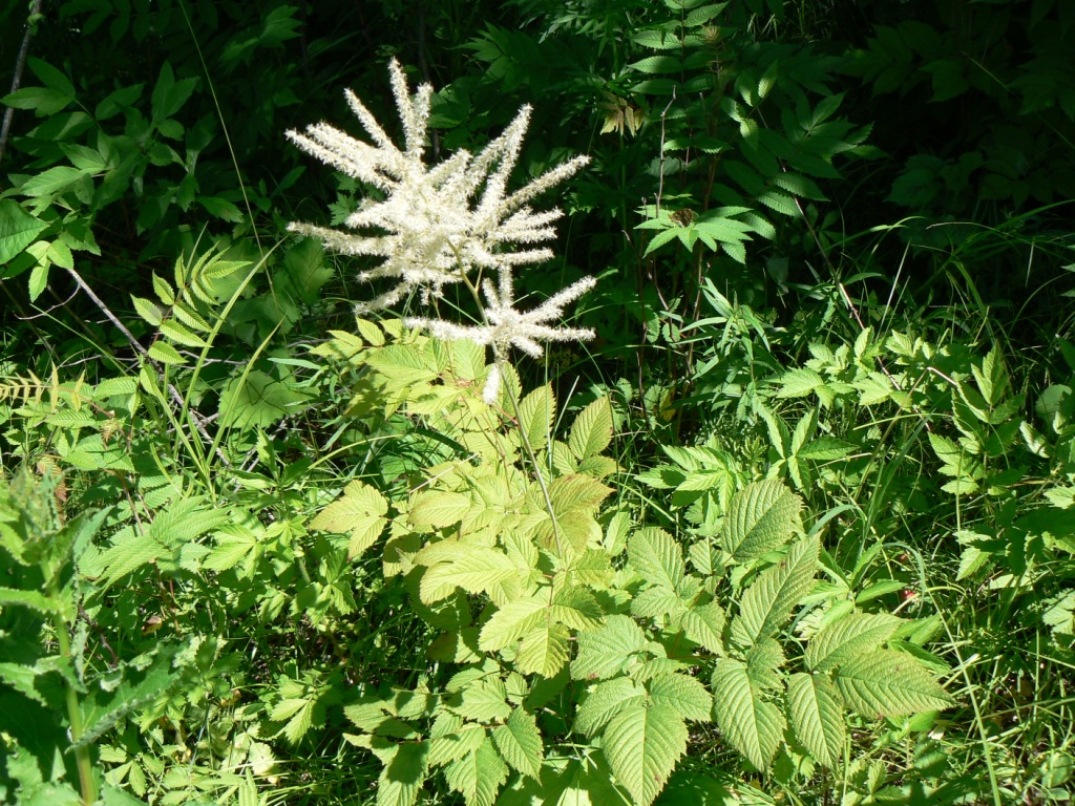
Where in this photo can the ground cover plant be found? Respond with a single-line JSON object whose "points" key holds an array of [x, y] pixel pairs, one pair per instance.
{"points": [[620, 407]]}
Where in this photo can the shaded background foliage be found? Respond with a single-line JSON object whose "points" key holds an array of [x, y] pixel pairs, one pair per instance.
{"points": [[766, 176]]}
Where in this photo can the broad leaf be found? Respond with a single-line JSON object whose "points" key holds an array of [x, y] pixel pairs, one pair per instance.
{"points": [[754, 726], [705, 626], [761, 518], [608, 650], [849, 637], [768, 602], [642, 745], [543, 651], [592, 431], [656, 555], [536, 413], [359, 511], [403, 774], [519, 742], [817, 717], [603, 701], [478, 775], [685, 694], [889, 683], [512, 621]]}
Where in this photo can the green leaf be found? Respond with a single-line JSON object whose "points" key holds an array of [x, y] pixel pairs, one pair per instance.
{"points": [[591, 432], [686, 695], [761, 518], [175, 332], [360, 511], [655, 555], [642, 745], [475, 569], [536, 413], [799, 382], [888, 683], [543, 651], [148, 310], [609, 650], [855, 634], [478, 776], [603, 701], [705, 626], [769, 600], [31, 599], [18, 229], [436, 510], [519, 742], [512, 621], [402, 776], [817, 717], [754, 726], [165, 353]]}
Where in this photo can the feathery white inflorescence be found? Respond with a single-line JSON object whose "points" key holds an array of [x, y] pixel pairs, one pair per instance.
{"points": [[441, 223]]}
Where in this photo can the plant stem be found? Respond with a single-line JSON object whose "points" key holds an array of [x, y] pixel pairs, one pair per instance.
{"points": [[74, 711]]}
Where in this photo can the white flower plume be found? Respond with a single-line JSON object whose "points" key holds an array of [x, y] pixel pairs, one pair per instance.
{"points": [[437, 224]]}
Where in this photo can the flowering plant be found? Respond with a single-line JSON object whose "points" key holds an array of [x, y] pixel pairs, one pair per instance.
{"points": [[455, 222]]}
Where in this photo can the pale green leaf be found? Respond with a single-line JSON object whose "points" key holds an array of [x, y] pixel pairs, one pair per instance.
{"points": [[656, 555], [148, 310], [705, 626], [435, 510], [609, 650], [543, 651], [475, 569], [30, 599], [536, 413], [175, 332], [889, 683], [642, 745], [817, 717], [165, 353], [799, 382], [769, 600], [591, 432], [478, 776], [754, 726], [402, 776], [685, 694], [761, 518], [451, 739], [603, 701], [855, 634], [483, 700], [512, 621], [519, 742], [359, 511]]}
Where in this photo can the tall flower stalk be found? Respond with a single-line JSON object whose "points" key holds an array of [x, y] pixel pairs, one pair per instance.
{"points": [[454, 222]]}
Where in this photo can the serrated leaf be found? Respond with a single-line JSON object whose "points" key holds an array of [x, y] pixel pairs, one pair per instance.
{"points": [[591, 432], [855, 634], [436, 510], [642, 745], [817, 717], [761, 518], [179, 334], [754, 726], [889, 683], [482, 701], [543, 651], [519, 742], [608, 650], [705, 626], [799, 382], [475, 569], [360, 511], [451, 739], [686, 695], [148, 310], [478, 776], [402, 776], [536, 413], [512, 621], [603, 701], [30, 599], [768, 602], [656, 555], [165, 353]]}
